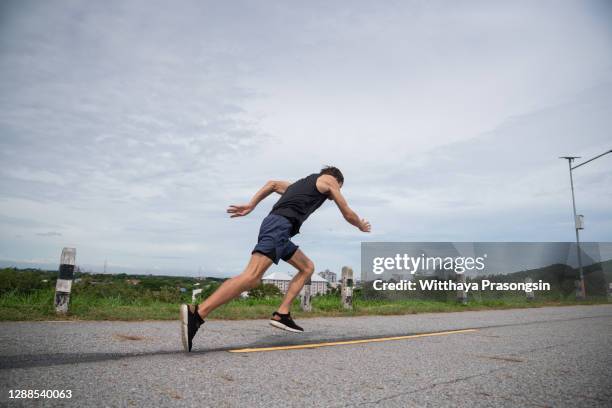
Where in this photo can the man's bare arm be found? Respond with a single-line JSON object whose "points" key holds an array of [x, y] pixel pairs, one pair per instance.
{"points": [[272, 186], [329, 185]]}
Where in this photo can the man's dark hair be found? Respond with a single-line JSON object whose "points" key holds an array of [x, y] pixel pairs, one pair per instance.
{"points": [[333, 171]]}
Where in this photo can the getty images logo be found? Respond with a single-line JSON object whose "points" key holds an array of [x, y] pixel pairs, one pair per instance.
{"points": [[413, 264]]}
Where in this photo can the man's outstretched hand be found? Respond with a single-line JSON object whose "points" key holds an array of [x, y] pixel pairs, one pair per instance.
{"points": [[365, 225], [239, 210]]}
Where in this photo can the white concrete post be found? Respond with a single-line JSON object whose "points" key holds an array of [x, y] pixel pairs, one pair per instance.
{"points": [[530, 295], [305, 297], [579, 289], [461, 294], [347, 287], [64, 280], [195, 293]]}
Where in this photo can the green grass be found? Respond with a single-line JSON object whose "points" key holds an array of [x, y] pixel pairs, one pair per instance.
{"points": [[38, 305]]}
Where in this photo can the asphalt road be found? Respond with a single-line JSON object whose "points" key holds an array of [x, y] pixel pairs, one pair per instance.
{"points": [[547, 357]]}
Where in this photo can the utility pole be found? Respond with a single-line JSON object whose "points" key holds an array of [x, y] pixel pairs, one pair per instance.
{"points": [[580, 292], [578, 220]]}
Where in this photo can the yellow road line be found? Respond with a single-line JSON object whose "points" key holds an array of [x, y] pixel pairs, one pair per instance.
{"points": [[348, 342]]}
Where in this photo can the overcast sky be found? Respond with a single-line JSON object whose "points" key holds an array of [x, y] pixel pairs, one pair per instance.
{"points": [[127, 128]]}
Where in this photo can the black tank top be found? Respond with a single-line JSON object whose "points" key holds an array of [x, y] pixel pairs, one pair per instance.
{"points": [[299, 201]]}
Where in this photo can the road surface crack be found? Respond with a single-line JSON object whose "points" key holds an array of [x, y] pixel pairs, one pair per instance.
{"points": [[427, 387]]}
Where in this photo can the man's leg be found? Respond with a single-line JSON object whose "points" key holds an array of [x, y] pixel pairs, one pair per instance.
{"points": [[193, 317], [305, 269], [232, 288]]}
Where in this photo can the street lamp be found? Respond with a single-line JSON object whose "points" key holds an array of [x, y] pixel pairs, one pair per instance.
{"points": [[578, 219]]}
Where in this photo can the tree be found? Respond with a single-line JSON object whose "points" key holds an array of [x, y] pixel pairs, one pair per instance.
{"points": [[265, 290], [208, 289]]}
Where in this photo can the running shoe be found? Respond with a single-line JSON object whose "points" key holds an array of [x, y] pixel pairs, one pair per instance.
{"points": [[190, 323], [285, 322]]}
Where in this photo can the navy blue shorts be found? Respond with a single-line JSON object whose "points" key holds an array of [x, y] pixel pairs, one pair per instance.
{"points": [[274, 238]]}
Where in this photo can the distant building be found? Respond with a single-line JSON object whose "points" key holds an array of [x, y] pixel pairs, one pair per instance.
{"points": [[133, 281], [318, 285], [329, 276], [281, 280]]}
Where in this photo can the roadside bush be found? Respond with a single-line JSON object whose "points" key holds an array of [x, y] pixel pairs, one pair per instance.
{"points": [[166, 294], [24, 281]]}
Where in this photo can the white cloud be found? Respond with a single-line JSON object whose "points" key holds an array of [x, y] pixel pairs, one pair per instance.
{"points": [[128, 127]]}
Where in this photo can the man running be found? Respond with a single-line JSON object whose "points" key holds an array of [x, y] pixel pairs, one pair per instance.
{"points": [[297, 202]]}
